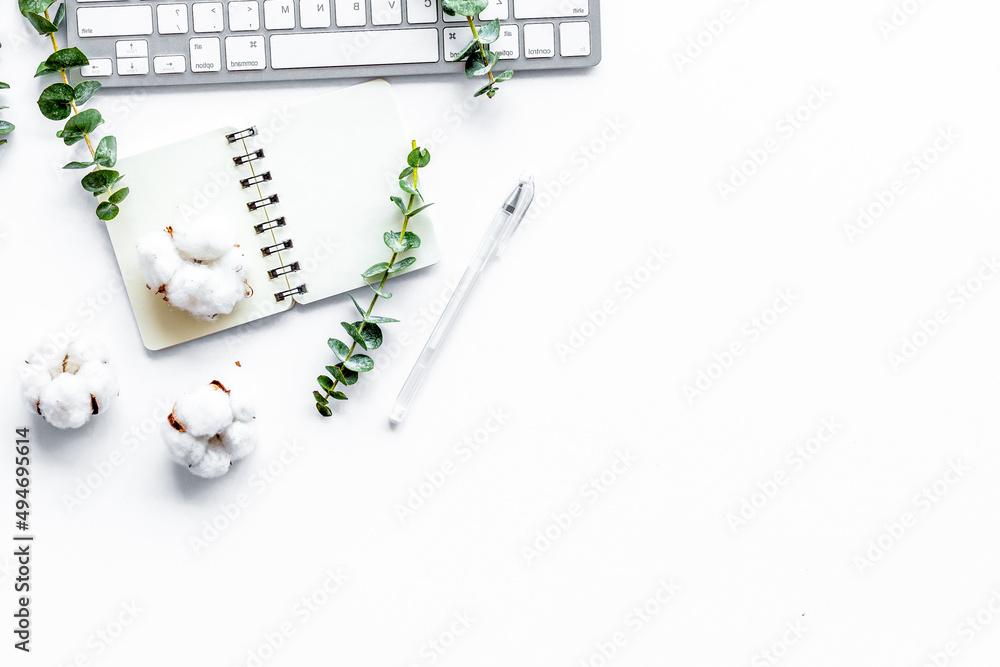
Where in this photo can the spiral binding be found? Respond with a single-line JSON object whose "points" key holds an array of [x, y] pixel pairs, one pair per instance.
{"points": [[254, 181]]}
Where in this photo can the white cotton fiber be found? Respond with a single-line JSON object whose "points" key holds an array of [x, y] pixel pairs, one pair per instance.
{"points": [[201, 240], [208, 430], [158, 259], [70, 383]]}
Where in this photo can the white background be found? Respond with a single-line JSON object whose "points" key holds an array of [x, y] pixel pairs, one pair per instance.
{"points": [[676, 132]]}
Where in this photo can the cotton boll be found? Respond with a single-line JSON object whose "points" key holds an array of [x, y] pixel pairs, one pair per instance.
{"points": [[215, 463], [102, 383], [204, 412], [184, 448], [84, 350], [201, 241], [33, 379], [239, 439], [158, 259], [204, 291], [66, 401], [242, 409]]}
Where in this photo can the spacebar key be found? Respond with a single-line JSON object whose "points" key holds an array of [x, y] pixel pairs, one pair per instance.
{"points": [[351, 48]]}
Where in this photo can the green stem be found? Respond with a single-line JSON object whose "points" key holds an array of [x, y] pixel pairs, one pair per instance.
{"points": [[86, 137], [482, 49]]}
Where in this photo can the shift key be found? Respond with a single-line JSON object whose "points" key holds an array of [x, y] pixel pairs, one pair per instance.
{"points": [[118, 21]]}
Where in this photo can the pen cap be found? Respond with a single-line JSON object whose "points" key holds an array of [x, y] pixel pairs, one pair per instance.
{"points": [[525, 195]]}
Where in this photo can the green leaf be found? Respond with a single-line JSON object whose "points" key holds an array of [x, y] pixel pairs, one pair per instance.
{"points": [[380, 320], [488, 88], [408, 188], [370, 332], [100, 180], [320, 398], [325, 382], [107, 211], [360, 363], [324, 410], [5, 127], [464, 7], [504, 76], [4, 86], [60, 15], [395, 244], [418, 157], [85, 90], [44, 69], [489, 32], [54, 102], [41, 24], [406, 172], [412, 213], [79, 165], [375, 270], [357, 305], [343, 375], [34, 6], [339, 348], [66, 59], [384, 295], [401, 265], [477, 66], [466, 50], [80, 125], [119, 196], [339, 395], [353, 332], [399, 202], [107, 152]]}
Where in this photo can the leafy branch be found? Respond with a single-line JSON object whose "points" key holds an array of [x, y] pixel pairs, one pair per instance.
{"points": [[5, 127], [366, 332], [61, 101], [479, 59]]}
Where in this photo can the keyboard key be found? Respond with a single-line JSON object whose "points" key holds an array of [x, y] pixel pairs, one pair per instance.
{"points": [[421, 11], [340, 49], [207, 16], [539, 40], [456, 39], [120, 21], [497, 9], [130, 66], [279, 14], [457, 18], [171, 19], [169, 64], [387, 12], [132, 48], [574, 39], [206, 54], [244, 16], [507, 46], [544, 9], [351, 13], [245, 52], [314, 13], [97, 67]]}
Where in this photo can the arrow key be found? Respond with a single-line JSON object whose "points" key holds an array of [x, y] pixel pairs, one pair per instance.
{"points": [[129, 66], [132, 48], [169, 64]]}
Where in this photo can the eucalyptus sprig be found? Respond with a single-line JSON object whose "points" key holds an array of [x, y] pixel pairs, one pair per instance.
{"points": [[366, 332], [5, 126], [479, 60], [61, 101]]}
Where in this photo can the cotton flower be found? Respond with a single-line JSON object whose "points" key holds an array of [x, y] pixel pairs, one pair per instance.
{"points": [[69, 383], [196, 267], [209, 429]]}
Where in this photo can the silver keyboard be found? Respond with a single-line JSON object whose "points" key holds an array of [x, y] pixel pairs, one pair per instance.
{"points": [[150, 43]]}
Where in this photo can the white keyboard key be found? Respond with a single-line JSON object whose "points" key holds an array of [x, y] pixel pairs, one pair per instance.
{"points": [[539, 40], [574, 39], [351, 13], [97, 67], [421, 11], [507, 46], [279, 14], [129, 66], [206, 54], [120, 21], [207, 16], [340, 49], [314, 13], [387, 12], [245, 52], [171, 19], [132, 48], [497, 9], [554, 9], [169, 64], [456, 39], [244, 16]]}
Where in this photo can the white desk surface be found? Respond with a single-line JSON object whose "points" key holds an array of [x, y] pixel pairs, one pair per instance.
{"points": [[872, 548]]}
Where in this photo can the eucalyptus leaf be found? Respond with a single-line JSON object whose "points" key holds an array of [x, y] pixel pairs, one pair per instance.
{"points": [[55, 100], [357, 305], [41, 24], [418, 157], [489, 32], [464, 7], [359, 363], [60, 15], [107, 211], [402, 265], [79, 165], [477, 66], [320, 398], [485, 89], [80, 125], [410, 214], [324, 409], [406, 172], [399, 202], [408, 188], [4, 86], [337, 374], [34, 6], [504, 76], [119, 196], [339, 348], [375, 270], [409, 241], [380, 320], [107, 152], [353, 332], [67, 59], [339, 395], [85, 90], [466, 50], [326, 382], [6, 127], [370, 332], [100, 180], [384, 295]]}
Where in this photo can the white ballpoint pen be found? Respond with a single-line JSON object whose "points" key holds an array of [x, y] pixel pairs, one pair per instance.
{"points": [[504, 225]]}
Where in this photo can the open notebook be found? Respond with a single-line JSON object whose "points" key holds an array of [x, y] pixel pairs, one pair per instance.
{"points": [[305, 189]]}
